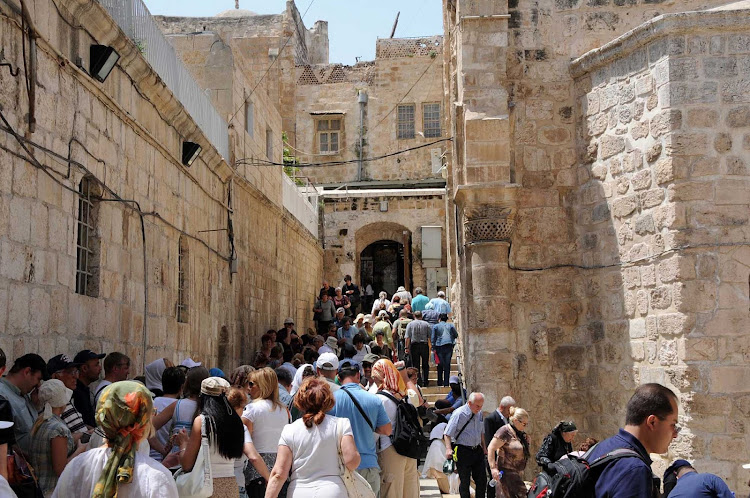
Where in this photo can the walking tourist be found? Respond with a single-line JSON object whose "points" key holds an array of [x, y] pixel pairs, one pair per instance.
{"points": [[381, 303], [172, 381], [361, 348], [464, 432], [439, 303], [326, 290], [369, 298], [324, 310], [351, 290], [399, 478], [555, 445], [509, 453], [237, 399], [403, 295], [308, 448], [265, 417], [398, 333], [417, 346], [492, 422], [686, 482], [22, 378], [419, 301], [327, 366], [223, 428], [116, 369], [379, 346], [650, 425], [88, 372], [124, 414], [443, 338], [347, 331], [341, 301], [367, 417], [52, 443]]}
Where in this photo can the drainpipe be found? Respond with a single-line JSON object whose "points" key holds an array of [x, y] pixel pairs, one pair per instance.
{"points": [[362, 99]]}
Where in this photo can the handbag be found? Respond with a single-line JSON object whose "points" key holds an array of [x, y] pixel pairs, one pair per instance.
{"points": [[198, 483], [21, 476], [356, 485]]}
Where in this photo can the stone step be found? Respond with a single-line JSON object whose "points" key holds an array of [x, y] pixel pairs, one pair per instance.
{"points": [[433, 389], [428, 488]]}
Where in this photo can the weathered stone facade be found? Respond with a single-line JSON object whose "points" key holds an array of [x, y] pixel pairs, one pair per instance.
{"points": [[602, 236], [125, 135]]}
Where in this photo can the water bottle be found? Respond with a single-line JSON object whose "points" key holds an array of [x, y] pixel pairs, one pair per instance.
{"points": [[493, 482]]}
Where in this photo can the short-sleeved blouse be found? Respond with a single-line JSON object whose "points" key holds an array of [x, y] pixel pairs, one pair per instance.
{"points": [[268, 421], [510, 457], [41, 451]]}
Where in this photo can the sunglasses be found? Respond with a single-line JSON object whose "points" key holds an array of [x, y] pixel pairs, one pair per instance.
{"points": [[250, 383]]}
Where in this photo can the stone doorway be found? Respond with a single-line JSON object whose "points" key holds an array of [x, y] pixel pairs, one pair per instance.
{"points": [[382, 265]]}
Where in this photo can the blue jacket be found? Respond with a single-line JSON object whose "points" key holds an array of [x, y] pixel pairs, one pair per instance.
{"points": [[628, 477], [695, 485]]}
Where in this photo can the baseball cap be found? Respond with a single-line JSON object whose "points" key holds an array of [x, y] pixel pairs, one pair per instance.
{"points": [[86, 355], [327, 361], [60, 362], [288, 321], [370, 358], [340, 310], [453, 379], [349, 364]]}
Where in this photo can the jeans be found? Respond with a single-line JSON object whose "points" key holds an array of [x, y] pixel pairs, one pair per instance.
{"points": [[420, 354], [470, 464], [243, 493], [445, 353]]}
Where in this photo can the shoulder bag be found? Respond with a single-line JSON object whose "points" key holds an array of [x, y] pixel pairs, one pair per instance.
{"points": [[356, 485], [198, 483]]}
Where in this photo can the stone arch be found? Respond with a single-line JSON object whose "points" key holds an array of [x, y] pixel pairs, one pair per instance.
{"points": [[384, 231]]}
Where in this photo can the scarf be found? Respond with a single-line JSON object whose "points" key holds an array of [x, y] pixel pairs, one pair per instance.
{"points": [[389, 379], [298, 378], [154, 371], [524, 441], [124, 414]]}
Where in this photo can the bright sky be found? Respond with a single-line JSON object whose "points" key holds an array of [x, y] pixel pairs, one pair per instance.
{"points": [[353, 25]]}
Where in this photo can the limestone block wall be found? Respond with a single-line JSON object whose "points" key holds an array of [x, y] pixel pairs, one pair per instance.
{"points": [[127, 134], [352, 224], [662, 113]]}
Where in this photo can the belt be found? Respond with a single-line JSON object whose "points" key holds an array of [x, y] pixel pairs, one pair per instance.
{"points": [[473, 448]]}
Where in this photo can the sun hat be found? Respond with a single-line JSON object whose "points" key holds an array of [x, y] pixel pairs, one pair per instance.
{"points": [[214, 386]]}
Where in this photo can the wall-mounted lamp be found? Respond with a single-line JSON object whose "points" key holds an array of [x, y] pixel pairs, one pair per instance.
{"points": [[103, 60], [190, 151]]}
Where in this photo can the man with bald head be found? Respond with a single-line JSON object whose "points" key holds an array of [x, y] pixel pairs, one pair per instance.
{"points": [[464, 431]]}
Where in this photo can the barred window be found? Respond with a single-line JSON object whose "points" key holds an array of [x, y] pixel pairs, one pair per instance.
{"points": [[269, 144], [87, 240], [250, 118], [405, 121], [182, 281], [431, 120], [328, 131]]}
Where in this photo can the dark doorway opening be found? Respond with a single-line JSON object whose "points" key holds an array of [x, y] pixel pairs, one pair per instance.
{"points": [[382, 265]]}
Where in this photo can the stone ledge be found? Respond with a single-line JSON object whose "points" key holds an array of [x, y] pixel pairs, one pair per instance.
{"points": [[696, 22]]}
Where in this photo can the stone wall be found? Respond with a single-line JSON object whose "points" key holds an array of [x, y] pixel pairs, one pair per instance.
{"points": [[570, 275], [127, 134]]}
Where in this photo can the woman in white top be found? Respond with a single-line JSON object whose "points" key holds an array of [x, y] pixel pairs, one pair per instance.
{"points": [[223, 428], [308, 448], [237, 400], [265, 418], [124, 414]]}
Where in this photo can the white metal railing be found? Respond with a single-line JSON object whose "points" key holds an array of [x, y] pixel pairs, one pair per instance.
{"points": [[136, 22], [302, 202]]}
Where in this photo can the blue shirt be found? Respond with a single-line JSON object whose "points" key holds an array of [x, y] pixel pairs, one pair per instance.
{"points": [[695, 485], [440, 305], [472, 434], [628, 477], [443, 333], [364, 437], [419, 302], [347, 334]]}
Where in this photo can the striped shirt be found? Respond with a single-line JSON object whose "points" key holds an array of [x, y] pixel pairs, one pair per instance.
{"points": [[73, 418]]}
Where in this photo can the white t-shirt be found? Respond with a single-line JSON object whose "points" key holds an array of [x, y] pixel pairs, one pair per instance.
{"points": [[162, 434], [239, 464], [314, 451], [390, 410], [5, 489], [268, 422], [150, 478]]}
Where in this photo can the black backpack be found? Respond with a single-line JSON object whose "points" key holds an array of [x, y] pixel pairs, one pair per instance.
{"points": [[575, 477], [407, 437]]}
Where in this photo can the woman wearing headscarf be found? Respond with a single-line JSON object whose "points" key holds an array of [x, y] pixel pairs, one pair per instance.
{"points": [[556, 444], [509, 452], [154, 371], [52, 443], [124, 414], [223, 427], [398, 473]]}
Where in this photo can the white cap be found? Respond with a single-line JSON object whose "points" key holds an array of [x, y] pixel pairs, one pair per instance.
{"points": [[188, 362], [401, 289], [289, 320], [328, 361]]}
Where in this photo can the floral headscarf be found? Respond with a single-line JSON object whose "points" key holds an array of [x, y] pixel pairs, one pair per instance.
{"points": [[385, 374], [124, 414]]}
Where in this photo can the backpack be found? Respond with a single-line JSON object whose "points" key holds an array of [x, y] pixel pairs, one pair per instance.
{"points": [[577, 476], [407, 437]]}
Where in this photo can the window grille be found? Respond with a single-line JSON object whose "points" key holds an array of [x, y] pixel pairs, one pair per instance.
{"points": [[431, 120], [182, 281], [405, 121], [87, 241], [329, 135], [250, 118]]}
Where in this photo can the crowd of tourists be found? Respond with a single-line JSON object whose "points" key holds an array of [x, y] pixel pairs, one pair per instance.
{"points": [[340, 415]]}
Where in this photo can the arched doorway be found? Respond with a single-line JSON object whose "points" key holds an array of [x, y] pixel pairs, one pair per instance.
{"points": [[382, 265]]}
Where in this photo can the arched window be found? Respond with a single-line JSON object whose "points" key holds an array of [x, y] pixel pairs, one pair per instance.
{"points": [[87, 240]]}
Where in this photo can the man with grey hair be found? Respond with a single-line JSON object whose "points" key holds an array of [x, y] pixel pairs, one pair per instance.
{"points": [[492, 423], [464, 432], [439, 304]]}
